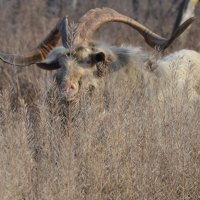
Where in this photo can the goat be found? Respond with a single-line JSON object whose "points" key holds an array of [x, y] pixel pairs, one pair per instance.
{"points": [[86, 61]]}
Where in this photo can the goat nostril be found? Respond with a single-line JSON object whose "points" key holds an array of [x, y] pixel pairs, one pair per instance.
{"points": [[72, 87]]}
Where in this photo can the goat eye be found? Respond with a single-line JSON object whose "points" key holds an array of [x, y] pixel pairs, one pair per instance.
{"points": [[79, 82], [68, 54]]}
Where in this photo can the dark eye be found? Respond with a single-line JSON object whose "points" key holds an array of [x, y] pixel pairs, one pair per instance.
{"points": [[68, 54], [80, 82]]}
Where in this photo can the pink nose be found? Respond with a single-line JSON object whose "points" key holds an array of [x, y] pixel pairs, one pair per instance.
{"points": [[70, 88]]}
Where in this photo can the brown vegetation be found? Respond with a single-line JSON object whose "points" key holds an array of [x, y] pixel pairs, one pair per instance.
{"points": [[121, 144]]}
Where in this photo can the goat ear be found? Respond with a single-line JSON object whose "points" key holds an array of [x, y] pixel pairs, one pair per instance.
{"points": [[49, 65]]}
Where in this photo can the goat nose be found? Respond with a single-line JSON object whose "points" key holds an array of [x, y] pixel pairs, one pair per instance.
{"points": [[70, 87]]}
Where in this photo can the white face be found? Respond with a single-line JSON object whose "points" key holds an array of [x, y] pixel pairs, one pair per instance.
{"points": [[76, 74], [80, 67]]}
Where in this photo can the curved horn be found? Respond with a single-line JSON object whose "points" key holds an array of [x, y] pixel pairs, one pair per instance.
{"points": [[95, 18], [41, 51], [182, 8]]}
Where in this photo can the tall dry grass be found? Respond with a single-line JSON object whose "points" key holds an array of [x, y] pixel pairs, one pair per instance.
{"points": [[124, 146], [119, 143]]}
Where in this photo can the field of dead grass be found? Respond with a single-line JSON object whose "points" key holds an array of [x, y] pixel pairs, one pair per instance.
{"points": [[121, 144]]}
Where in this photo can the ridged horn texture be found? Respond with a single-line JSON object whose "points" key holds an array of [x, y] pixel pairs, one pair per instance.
{"points": [[63, 29], [41, 51], [95, 18]]}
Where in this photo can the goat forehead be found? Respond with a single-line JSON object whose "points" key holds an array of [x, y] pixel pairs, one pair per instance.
{"points": [[82, 52], [71, 63], [73, 69], [85, 50]]}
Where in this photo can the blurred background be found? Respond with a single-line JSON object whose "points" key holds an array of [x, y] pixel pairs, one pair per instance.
{"points": [[26, 22]]}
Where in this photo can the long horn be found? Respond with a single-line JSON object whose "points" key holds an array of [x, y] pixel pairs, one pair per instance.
{"points": [[182, 8], [95, 18], [41, 51]]}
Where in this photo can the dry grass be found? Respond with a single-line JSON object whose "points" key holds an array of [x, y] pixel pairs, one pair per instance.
{"points": [[132, 147], [121, 144]]}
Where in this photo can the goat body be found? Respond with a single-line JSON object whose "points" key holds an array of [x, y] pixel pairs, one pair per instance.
{"points": [[84, 62], [126, 63]]}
